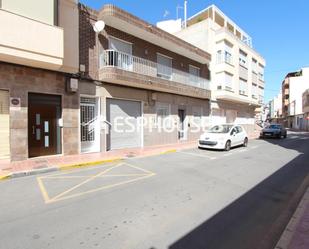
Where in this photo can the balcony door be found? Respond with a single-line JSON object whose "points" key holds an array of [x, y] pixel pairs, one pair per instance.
{"points": [[122, 53]]}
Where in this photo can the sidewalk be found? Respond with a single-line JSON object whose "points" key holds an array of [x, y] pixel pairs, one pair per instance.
{"points": [[53, 163], [296, 234]]}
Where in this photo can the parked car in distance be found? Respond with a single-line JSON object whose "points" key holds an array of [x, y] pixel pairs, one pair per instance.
{"points": [[273, 130], [223, 137]]}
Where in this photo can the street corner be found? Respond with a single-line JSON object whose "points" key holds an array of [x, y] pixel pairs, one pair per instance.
{"points": [[77, 183]]}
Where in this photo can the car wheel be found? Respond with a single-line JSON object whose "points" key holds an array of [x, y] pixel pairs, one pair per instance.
{"points": [[227, 145], [284, 136], [279, 135], [245, 144]]}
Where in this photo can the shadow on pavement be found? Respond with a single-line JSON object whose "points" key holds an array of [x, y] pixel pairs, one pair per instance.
{"points": [[258, 218]]}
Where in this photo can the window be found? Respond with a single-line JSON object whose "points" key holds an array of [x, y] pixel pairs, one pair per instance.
{"points": [[194, 74], [164, 67], [119, 55], [119, 45], [225, 81], [163, 117], [254, 66], [243, 87], [261, 72], [224, 53], [254, 91], [242, 58], [238, 129]]}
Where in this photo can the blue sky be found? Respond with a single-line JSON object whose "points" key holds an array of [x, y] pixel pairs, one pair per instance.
{"points": [[280, 29]]}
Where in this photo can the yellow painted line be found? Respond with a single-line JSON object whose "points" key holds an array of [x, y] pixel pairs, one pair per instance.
{"points": [[88, 164], [84, 182], [5, 177], [101, 188], [168, 151], [65, 195], [138, 168], [43, 190], [102, 176]]}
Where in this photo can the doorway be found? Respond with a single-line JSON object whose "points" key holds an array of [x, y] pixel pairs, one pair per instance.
{"points": [[182, 126], [44, 133], [89, 125]]}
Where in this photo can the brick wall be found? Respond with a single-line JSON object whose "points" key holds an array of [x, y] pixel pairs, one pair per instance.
{"points": [[89, 46]]}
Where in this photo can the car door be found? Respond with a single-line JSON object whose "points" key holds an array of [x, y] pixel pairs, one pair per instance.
{"points": [[240, 135]]}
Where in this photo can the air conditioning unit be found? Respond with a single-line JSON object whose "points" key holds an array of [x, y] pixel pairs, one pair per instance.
{"points": [[72, 85], [242, 92]]}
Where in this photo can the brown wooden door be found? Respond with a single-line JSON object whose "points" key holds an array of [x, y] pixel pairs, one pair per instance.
{"points": [[42, 130]]}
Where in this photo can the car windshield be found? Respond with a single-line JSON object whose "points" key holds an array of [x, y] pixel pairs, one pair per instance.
{"points": [[220, 129], [274, 127]]}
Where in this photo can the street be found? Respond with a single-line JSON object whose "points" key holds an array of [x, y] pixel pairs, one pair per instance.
{"points": [[190, 199]]}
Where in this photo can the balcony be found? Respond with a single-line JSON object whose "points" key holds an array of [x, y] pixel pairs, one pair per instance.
{"points": [[29, 42], [227, 93], [122, 68]]}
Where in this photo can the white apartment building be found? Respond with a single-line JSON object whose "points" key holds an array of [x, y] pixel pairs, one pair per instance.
{"points": [[276, 106], [237, 70], [294, 86]]}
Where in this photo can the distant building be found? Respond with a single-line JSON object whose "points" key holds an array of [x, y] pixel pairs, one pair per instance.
{"points": [[306, 109], [293, 87], [237, 69], [276, 108]]}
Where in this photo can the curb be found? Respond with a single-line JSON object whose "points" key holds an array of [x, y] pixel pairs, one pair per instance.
{"points": [[71, 166], [290, 229], [5, 177], [89, 164]]}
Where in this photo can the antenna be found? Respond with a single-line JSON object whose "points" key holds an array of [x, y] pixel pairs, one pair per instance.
{"points": [[177, 11], [185, 12]]}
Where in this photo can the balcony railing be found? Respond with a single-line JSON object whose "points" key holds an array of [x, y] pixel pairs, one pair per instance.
{"points": [[127, 62]]}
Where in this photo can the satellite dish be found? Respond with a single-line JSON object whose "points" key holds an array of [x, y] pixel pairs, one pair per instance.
{"points": [[98, 26]]}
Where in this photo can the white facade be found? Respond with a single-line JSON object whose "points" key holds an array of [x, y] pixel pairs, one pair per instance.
{"points": [[277, 106], [297, 86], [237, 70]]}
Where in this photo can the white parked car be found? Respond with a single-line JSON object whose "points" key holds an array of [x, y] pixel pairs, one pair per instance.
{"points": [[223, 137]]}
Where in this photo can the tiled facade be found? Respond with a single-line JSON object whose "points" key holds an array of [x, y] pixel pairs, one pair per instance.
{"points": [[20, 81]]}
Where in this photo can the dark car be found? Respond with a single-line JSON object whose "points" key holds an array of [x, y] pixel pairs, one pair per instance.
{"points": [[273, 130]]}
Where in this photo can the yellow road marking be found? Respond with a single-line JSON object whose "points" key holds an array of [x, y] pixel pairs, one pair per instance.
{"points": [[43, 190], [84, 182], [79, 170], [138, 168], [88, 164], [102, 174], [101, 188]]}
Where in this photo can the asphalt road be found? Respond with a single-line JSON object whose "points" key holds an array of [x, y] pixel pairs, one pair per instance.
{"points": [[191, 199]]}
